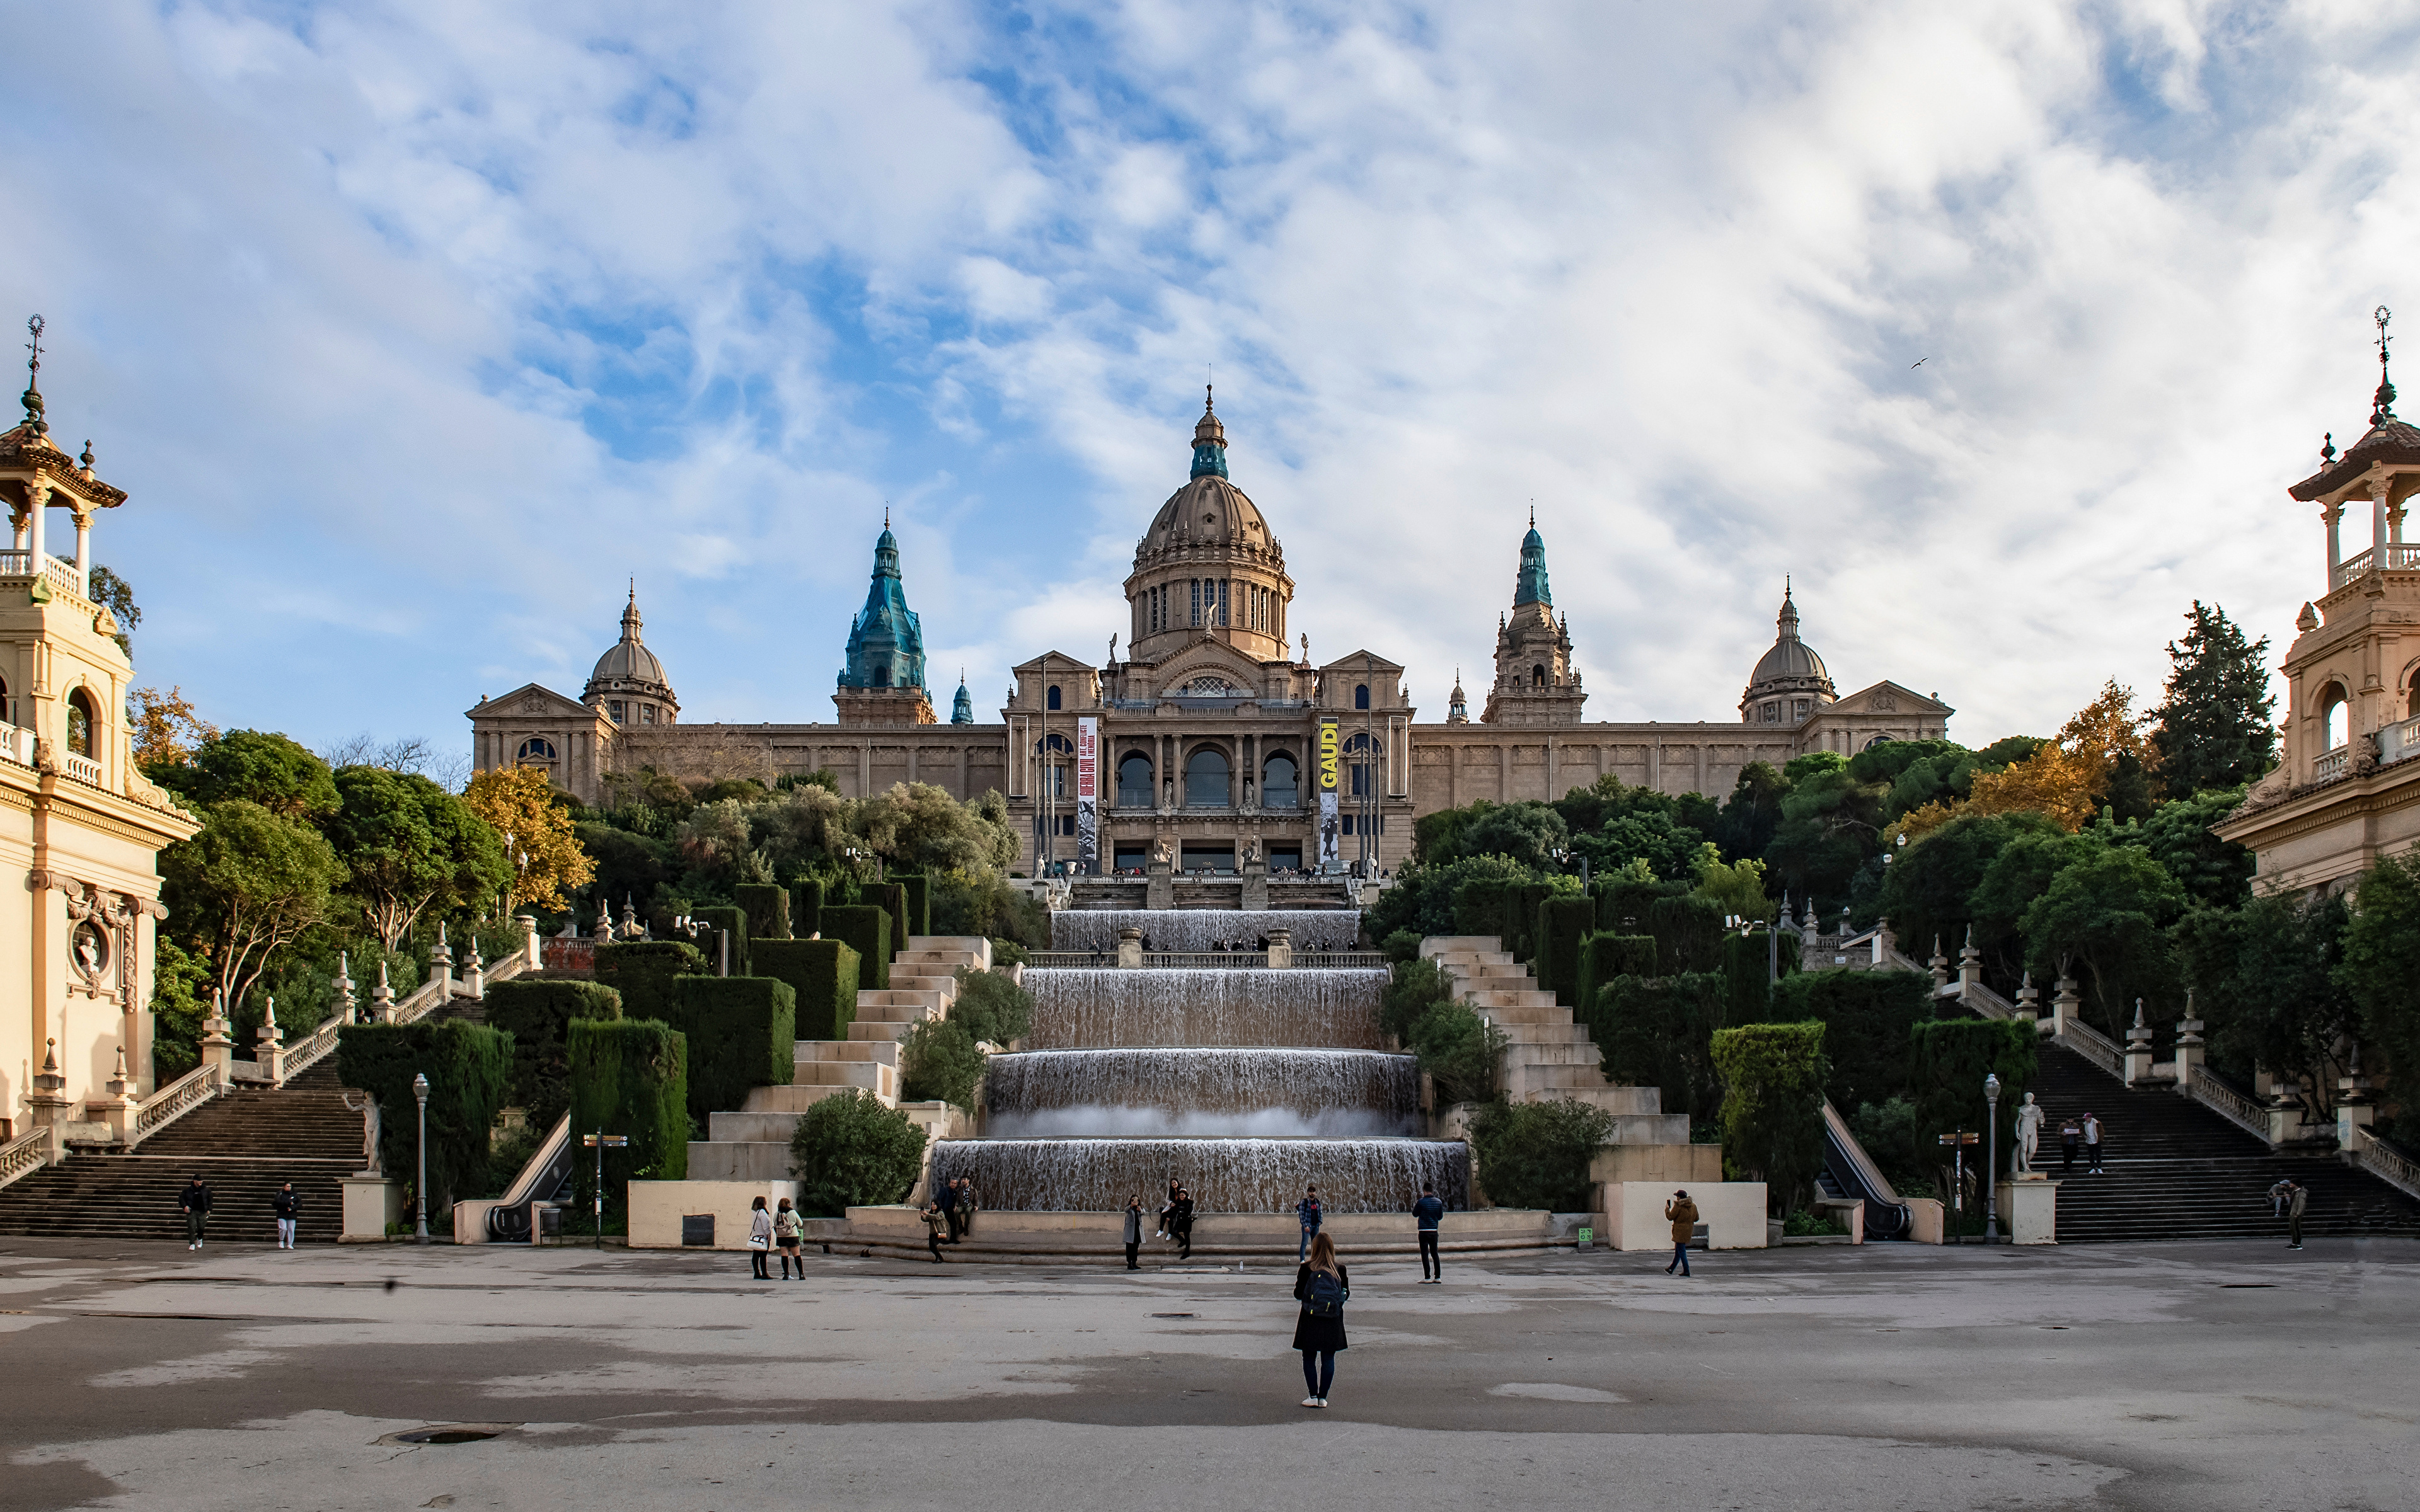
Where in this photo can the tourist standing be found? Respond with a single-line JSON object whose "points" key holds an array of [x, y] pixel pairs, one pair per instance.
{"points": [[1429, 1211], [1167, 1207], [1180, 1223], [950, 1207], [1134, 1229], [788, 1226], [195, 1201], [934, 1224], [1684, 1214], [2092, 1146], [760, 1239], [284, 1204], [1323, 1288], [1307, 1210], [2068, 1133], [2291, 1195], [968, 1205]]}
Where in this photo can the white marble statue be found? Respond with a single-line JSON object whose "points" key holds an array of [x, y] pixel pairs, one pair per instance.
{"points": [[368, 1108], [2029, 1119]]}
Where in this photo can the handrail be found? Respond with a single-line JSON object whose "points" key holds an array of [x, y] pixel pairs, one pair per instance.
{"points": [[534, 1170], [28, 1152], [2094, 1046], [168, 1104], [2379, 1158], [1868, 1172], [312, 1048], [1985, 1001], [2227, 1104]]}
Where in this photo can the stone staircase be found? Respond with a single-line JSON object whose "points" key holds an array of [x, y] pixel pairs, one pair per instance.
{"points": [[1550, 1055], [2174, 1169], [244, 1144]]}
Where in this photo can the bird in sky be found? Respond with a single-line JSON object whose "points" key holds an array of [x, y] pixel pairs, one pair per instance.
{"points": [[1918, 363]]}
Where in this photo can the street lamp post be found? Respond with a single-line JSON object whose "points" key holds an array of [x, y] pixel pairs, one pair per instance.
{"points": [[420, 1187], [1991, 1165]]}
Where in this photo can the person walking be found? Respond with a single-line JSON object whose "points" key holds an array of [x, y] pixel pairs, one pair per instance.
{"points": [[2290, 1197], [1180, 1223], [2068, 1133], [788, 1226], [1428, 1213], [195, 1201], [1307, 1213], [283, 1203], [950, 1207], [935, 1221], [1134, 1229], [760, 1239], [1323, 1288], [1684, 1214], [2092, 1146]]}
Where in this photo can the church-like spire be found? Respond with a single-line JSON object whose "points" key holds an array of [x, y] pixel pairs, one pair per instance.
{"points": [[1209, 440], [1788, 620], [1458, 708], [2381, 404], [32, 398], [962, 708], [1532, 587], [886, 642], [630, 620]]}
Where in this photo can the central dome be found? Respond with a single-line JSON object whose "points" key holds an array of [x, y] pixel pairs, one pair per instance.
{"points": [[1208, 565], [1207, 511]]}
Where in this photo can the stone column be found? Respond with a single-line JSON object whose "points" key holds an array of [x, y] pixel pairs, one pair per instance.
{"points": [[47, 1105], [84, 552], [440, 965], [1281, 949], [1940, 964], [2354, 1109], [2029, 1003], [475, 980], [2333, 516], [271, 1053], [118, 1108], [2065, 1008], [37, 497], [2138, 1049], [218, 1046], [531, 958], [1970, 965], [347, 1011], [383, 997], [2378, 525], [2189, 1047], [1130, 949]]}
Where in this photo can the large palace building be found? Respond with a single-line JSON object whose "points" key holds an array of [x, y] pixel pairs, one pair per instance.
{"points": [[1211, 743]]}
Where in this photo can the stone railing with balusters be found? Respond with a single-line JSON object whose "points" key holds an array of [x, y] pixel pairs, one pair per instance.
{"points": [[26, 1153], [78, 769], [2331, 765], [168, 1104], [2383, 1161], [2228, 1103], [61, 575], [2094, 1046]]}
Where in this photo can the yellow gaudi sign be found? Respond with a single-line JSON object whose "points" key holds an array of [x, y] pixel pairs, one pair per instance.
{"points": [[1328, 756]]}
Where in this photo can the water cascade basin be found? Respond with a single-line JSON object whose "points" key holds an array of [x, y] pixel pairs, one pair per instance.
{"points": [[1223, 1175], [1084, 1008], [1157, 1092], [1201, 929]]}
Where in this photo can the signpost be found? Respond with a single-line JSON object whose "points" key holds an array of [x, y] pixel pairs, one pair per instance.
{"points": [[601, 1142], [1958, 1142]]}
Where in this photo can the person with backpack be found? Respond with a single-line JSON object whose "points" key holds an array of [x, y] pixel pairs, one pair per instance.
{"points": [[788, 1227], [1180, 1223], [284, 1205], [195, 1201], [1684, 1214], [760, 1240], [1323, 1288], [1134, 1229], [2289, 1197], [1307, 1210], [1428, 1213]]}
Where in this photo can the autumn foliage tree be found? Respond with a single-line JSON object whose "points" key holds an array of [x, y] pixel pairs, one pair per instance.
{"points": [[546, 857], [166, 728], [2103, 752]]}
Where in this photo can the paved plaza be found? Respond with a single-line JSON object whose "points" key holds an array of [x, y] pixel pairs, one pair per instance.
{"points": [[2183, 1376]]}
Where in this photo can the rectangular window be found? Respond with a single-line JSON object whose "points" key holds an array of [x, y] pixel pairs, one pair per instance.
{"points": [[1222, 601], [1195, 584]]}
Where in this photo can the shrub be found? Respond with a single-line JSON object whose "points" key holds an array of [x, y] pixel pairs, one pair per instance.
{"points": [[767, 908], [1604, 957], [807, 918], [850, 1151], [629, 1076], [1625, 899], [822, 974], [537, 1014], [1772, 1106], [1422, 897], [938, 1060], [1750, 964], [1458, 1049], [892, 898], [1867, 1016], [643, 972], [1402, 946], [992, 1007], [867, 930], [1689, 932], [467, 1065], [919, 893], [1945, 1074], [1537, 1154], [984, 903], [742, 1034], [1654, 1032], [734, 920], [1009, 953], [1562, 926], [1418, 986]]}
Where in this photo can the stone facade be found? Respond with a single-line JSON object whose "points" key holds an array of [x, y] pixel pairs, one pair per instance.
{"points": [[1211, 731]]}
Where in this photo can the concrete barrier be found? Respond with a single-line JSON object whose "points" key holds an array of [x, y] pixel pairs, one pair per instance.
{"points": [[657, 1208], [1732, 1211]]}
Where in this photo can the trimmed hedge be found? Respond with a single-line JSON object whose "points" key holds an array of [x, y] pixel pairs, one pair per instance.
{"points": [[892, 898], [823, 974], [1604, 957], [807, 914], [1868, 1016], [1950, 1057], [1537, 1154], [1689, 932], [1562, 926], [767, 908], [629, 1076], [733, 919], [1746, 960], [742, 1034], [867, 930], [1773, 1107], [643, 972], [1623, 901], [538, 1014], [849, 1150], [467, 1065], [1653, 1031], [919, 893]]}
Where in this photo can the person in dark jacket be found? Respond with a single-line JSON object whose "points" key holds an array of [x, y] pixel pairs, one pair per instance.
{"points": [[2290, 1196], [950, 1207], [2068, 1133], [195, 1201], [1134, 1229], [934, 1223], [1180, 1223], [1428, 1213], [285, 1204], [1306, 1213], [1320, 1339], [1684, 1214]]}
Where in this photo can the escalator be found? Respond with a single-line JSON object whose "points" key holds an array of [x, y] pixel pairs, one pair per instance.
{"points": [[1850, 1172], [547, 1178]]}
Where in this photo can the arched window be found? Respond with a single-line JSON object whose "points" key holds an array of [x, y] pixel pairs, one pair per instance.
{"points": [[1051, 700], [1361, 695], [2410, 703], [613, 707], [80, 724], [1205, 778], [1133, 781], [536, 748], [2332, 723], [1538, 675], [1281, 782], [1878, 740]]}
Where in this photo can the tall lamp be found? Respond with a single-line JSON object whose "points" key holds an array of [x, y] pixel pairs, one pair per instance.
{"points": [[420, 1188], [1992, 1167]]}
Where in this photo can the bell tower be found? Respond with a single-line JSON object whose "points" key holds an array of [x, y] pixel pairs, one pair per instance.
{"points": [[1534, 680]]}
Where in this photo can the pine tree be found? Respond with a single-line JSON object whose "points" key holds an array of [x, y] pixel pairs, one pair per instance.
{"points": [[2214, 728]]}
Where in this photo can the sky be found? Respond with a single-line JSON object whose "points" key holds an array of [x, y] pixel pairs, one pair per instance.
{"points": [[416, 333]]}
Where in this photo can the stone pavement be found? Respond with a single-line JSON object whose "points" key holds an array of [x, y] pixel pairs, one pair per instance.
{"points": [[2182, 1375]]}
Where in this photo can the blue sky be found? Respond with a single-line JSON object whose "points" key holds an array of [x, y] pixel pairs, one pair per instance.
{"points": [[415, 331]]}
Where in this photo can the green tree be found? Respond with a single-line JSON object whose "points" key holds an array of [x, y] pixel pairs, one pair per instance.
{"points": [[1773, 1107], [2215, 871], [269, 770], [1527, 833], [2019, 875], [1421, 898], [1669, 849], [2264, 979], [407, 844], [245, 887], [1930, 888], [939, 1061], [2110, 913], [1537, 1154], [2214, 728], [850, 1151], [994, 1008], [180, 984], [112, 593], [1949, 1060], [1831, 822], [2381, 960], [1458, 1050], [919, 827], [1752, 814]]}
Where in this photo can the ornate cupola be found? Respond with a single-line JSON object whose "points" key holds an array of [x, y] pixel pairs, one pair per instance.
{"points": [[1208, 569], [1790, 683], [962, 708], [884, 680], [1534, 680], [629, 685], [1457, 709]]}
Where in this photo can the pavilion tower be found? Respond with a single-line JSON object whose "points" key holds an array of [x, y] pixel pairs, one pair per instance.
{"points": [[1534, 680], [884, 680]]}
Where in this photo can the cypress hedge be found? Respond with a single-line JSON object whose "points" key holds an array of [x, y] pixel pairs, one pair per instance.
{"points": [[1867, 1018], [643, 972], [1773, 1107], [807, 913], [919, 893], [823, 974], [629, 1076], [1688, 930], [537, 1014], [1946, 1071], [468, 1065], [1749, 961], [733, 919], [742, 1034], [1653, 1031], [867, 930], [1604, 957], [1562, 927], [767, 908], [1479, 908], [1623, 900], [892, 898]]}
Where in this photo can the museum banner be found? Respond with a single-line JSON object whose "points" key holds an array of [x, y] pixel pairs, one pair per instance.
{"points": [[1330, 827], [1088, 793]]}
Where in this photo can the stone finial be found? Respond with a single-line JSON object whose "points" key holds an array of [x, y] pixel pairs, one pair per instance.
{"points": [[2308, 620], [344, 1004], [382, 996]]}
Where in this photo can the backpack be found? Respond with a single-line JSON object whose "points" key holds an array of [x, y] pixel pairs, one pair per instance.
{"points": [[1328, 1295]]}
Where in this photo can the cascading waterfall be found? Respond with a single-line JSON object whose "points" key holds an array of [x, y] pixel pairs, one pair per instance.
{"points": [[1202, 929], [1299, 1093], [1224, 1175], [1075, 1007]]}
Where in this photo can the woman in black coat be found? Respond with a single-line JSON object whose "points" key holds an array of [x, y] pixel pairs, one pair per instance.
{"points": [[1180, 1223], [1319, 1338]]}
